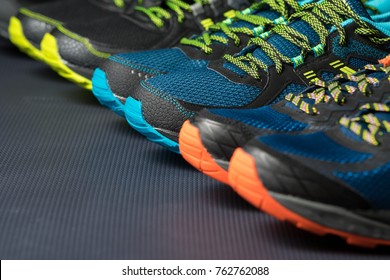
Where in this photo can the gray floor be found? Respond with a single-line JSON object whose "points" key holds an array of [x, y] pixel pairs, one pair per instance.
{"points": [[77, 183]]}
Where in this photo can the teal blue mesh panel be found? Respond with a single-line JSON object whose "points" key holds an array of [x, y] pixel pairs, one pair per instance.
{"points": [[327, 76], [372, 184], [355, 47], [157, 61], [358, 8], [358, 63], [204, 87], [262, 118], [315, 146]]}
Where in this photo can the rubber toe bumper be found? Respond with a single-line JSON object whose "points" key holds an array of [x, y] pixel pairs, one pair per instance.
{"points": [[134, 116], [104, 94], [18, 37], [193, 151], [52, 57]]}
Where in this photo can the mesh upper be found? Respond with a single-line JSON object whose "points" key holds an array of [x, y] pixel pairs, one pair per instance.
{"points": [[119, 31], [164, 60], [70, 11], [314, 146], [262, 118], [355, 47], [204, 87], [171, 60], [373, 184], [291, 50]]}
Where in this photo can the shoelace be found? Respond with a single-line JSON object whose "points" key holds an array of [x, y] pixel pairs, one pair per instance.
{"points": [[318, 16], [205, 40], [367, 125], [158, 14], [335, 89]]}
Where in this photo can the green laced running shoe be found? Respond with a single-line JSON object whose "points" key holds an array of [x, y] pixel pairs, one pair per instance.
{"points": [[76, 49], [321, 41], [118, 77], [30, 24]]}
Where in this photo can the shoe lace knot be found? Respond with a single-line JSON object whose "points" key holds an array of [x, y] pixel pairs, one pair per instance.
{"points": [[371, 123], [225, 30], [319, 16], [337, 90], [159, 14]]}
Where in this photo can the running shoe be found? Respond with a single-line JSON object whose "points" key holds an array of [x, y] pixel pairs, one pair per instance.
{"points": [[324, 39], [28, 27], [119, 76], [334, 182], [208, 140], [75, 50]]}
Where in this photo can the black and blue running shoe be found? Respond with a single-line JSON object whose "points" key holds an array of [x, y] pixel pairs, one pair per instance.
{"points": [[120, 75], [75, 50], [329, 182], [208, 140], [323, 40]]}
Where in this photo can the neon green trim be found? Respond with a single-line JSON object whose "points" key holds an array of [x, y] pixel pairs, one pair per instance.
{"points": [[347, 70], [40, 17], [84, 41], [51, 57], [334, 63], [18, 38], [119, 3]]}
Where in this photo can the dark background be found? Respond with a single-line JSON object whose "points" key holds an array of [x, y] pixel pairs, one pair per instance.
{"points": [[77, 183]]}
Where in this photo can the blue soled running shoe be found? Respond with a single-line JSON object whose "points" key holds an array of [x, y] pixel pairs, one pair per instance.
{"points": [[119, 77], [329, 182], [208, 140], [322, 40]]}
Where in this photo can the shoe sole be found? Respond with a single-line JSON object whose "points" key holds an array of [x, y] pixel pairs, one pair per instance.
{"points": [[103, 93], [133, 114], [17, 37], [245, 181], [194, 152], [51, 56]]}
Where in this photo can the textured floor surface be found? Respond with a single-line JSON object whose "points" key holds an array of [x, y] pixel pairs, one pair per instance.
{"points": [[77, 183]]}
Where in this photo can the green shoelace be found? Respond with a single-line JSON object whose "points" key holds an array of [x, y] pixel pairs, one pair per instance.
{"points": [[205, 40], [158, 14], [336, 89], [317, 16], [367, 125]]}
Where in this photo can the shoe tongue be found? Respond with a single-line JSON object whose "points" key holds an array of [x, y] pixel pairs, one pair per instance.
{"points": [[358, 7]]}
